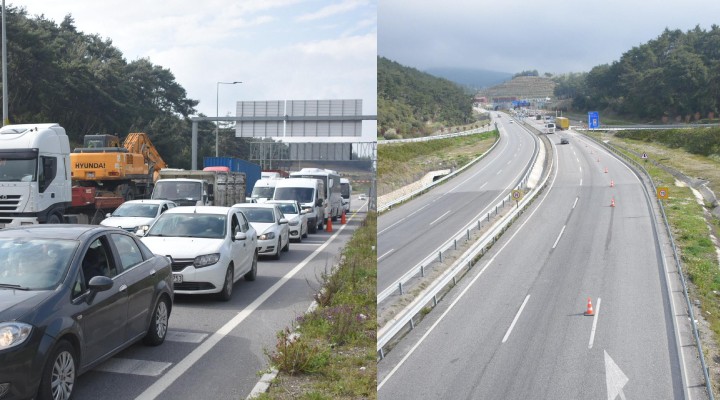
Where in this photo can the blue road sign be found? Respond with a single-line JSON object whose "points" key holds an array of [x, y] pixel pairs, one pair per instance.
{"points": [[593, 120]]}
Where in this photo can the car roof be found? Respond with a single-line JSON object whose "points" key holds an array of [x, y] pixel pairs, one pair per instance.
{"points": [[149, 201], [54, 231], [255, 205], [199, 210], [280, 202]]}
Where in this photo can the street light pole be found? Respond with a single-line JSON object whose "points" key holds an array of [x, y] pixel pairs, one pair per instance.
{"points": [[217, 111]]}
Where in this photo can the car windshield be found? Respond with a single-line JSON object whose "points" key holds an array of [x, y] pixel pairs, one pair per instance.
{"points": [[260, 215], [303, 195], [211, 226], [136, 210], [34, 264], [265, 192], [288, 208]]}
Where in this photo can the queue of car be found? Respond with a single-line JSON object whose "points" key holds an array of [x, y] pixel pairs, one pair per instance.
{"points": [[72, 296]]}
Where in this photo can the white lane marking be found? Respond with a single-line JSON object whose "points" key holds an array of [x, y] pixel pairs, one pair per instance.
{"points": [[507, 334], [499, 172], [133, 367], [391, 250], [509, 162], [185, 337], [403, 219], [575, 203], [307, 243], [465, 290], [440, 217], [559, 236], [595, 318], [157, 388], [580, 181]]}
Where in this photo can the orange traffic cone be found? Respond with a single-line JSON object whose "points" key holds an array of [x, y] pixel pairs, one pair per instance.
{"points": [[612, 183], [612, 202], [343, 220], [589, 308], [328, 226]]}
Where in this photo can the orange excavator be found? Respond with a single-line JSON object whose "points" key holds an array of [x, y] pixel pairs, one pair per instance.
{"points": [[123, 172]]}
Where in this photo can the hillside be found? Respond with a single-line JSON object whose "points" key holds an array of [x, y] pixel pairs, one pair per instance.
{"points": [[521, 87], [471, 78], [413, 103]]}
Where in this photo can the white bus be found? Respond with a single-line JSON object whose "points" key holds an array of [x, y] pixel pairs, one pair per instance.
{"points": [[331, 180], [346, 192]]}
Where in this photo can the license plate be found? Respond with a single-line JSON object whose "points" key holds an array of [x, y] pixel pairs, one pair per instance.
{"points": [[177, 278]]}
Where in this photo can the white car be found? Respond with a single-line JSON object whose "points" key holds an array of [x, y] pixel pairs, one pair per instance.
{"points": [[210, 247], [362, 197], [136, 214], [296, 216], [271, 225]]}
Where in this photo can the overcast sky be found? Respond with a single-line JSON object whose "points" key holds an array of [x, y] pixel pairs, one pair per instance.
{"points": [[279, 49], [511, 36]]}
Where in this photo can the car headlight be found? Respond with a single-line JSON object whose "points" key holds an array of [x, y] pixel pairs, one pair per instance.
{"points": [[13, 334], [205, 260], [267, 236], [294, 222]]}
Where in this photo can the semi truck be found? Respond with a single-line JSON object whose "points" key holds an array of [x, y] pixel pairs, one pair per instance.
{"points": [[562, 123], [213, 186], [36, 185]]}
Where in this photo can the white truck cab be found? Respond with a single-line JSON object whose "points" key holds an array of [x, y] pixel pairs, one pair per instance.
{"points": [[35, 181]]}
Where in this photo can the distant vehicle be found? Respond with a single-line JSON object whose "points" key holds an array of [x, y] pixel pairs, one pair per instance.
{"points": [[271, 226], [345, 192], [331, 182], [264, 189], [137, 214], [549, 127], [211, 247], [564, 141], [362, 197], [511, 121], [296, 216], [50, 277], [562, 123]]}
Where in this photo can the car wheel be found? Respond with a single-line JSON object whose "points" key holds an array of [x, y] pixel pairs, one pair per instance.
{"points": [[159, 324], [313, 228], [250, 275], [53, 219], [276, 256], [304, 235], [287, 245], [59, 374], [226, 292]]}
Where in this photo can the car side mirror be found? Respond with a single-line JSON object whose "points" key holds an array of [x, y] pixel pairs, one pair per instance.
{"points": [[108, 215], [282, 221], [240, 236], [98, 284]]}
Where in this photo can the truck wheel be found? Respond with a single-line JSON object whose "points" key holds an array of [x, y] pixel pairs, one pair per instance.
{"points": [[53, 219]]}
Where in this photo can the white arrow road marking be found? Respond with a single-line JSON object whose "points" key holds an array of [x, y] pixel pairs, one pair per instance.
{"points": [[614, 378]]}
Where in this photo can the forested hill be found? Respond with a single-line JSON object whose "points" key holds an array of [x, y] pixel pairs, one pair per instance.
{"points": [[83, 82], [675, 77], [413, 103]]}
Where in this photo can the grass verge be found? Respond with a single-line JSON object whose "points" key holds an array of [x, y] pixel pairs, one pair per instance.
{"points": [[404, 163], [331, 354], [691, 227]]}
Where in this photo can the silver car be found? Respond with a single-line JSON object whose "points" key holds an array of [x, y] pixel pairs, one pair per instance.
{"points": [[296, 216]]}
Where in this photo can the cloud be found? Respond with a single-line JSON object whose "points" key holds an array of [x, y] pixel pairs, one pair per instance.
{"points": [[334, 9]]}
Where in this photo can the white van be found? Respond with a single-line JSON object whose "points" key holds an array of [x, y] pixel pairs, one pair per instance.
{"points": [[310, 192], [263, 190], [346, 192]]}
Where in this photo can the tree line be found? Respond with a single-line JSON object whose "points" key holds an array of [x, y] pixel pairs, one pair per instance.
{"points": [[83, 82], [673, 78], [414, 103]]}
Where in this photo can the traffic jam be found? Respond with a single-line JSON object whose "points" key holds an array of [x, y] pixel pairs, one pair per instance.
{"points": [[149, 291]]}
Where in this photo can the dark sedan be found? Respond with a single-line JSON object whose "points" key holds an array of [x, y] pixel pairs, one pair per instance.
{"points": [[71, 296]]}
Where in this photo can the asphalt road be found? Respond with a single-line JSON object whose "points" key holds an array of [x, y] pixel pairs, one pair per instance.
{"points": [[214, 350], [411, 232], [514, 327]]}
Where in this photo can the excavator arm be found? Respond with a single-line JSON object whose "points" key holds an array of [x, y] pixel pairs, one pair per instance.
{"points": [[140, 143]]}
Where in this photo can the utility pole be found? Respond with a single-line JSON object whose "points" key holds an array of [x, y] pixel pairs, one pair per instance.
{"points": [[6, 119]]}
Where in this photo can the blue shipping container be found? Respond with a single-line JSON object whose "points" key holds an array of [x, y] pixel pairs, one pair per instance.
{"points": [[252, 171]]}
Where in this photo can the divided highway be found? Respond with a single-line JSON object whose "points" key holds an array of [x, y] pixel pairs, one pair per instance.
{"points": [[411, 232], [515, 328], [214, 350]]}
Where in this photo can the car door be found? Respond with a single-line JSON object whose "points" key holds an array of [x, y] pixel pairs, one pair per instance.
{"points": [[240, 247], [141, 278], [284, 228], [101, 315]]}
